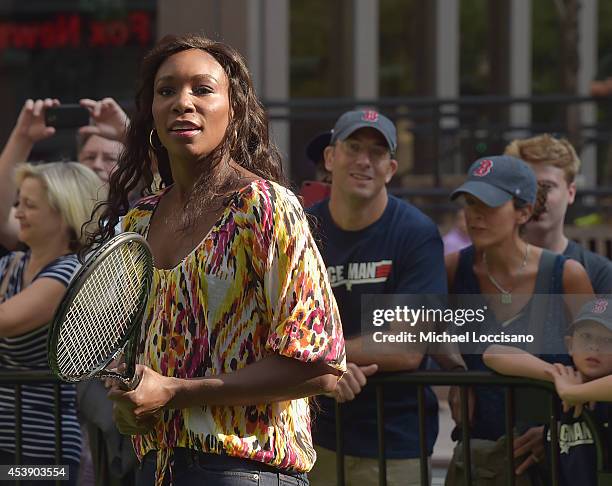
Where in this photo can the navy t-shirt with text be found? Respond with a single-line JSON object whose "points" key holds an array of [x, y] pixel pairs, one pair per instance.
{"points": [[401, 253], [577, 453]]}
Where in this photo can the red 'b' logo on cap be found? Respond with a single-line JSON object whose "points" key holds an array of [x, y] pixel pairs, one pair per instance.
{"points": [[370, 116], [600, 306], [483, 168]]}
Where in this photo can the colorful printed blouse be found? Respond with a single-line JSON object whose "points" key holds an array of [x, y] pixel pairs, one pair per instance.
{"points": [[255, 285]]}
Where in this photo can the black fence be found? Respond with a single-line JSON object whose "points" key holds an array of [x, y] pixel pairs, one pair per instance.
{"points": [[465, 379], [468, 126], [420, 379], [446, 135], [20, 378]]}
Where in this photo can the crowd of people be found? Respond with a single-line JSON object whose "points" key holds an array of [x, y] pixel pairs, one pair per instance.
{"points": [[254, 329]]}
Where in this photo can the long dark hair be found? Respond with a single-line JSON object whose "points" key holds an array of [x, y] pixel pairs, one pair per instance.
{"points": [[246, 140]]}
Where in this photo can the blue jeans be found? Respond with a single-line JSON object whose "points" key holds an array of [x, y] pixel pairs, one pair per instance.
{"points": [[192, 468]]}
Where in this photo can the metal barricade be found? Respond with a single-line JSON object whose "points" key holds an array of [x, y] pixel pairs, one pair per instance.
{"points": [[20, 378], [465, 379]]}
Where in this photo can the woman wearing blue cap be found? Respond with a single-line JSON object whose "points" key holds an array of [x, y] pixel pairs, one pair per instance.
{"points": [[500, 196]]}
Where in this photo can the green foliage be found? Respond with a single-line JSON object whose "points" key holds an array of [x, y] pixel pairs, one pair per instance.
{"points": [[473, 61], [397, 20], [311, 23], [604, 30], [546, 52]]}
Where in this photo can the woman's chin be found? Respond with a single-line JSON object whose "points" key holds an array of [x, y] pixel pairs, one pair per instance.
{"points": [[479, 240]]}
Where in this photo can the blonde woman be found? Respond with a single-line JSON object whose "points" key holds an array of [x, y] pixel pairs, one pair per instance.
{"points": [[54, 205]]}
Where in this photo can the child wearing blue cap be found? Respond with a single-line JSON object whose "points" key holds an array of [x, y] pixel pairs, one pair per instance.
{"points": [[590, 346]]}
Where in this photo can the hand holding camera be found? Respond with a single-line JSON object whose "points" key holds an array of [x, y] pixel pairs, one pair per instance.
{"points": [[109, 120], [31, 124], [39, 119]]}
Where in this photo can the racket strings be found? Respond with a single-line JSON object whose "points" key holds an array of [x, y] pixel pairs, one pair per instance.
{"points": [[102, 344], [111, 294]]}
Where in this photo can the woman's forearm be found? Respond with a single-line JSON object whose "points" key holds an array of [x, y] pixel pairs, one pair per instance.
{"points": [[599, 390], [272, 379], [507, 360]]}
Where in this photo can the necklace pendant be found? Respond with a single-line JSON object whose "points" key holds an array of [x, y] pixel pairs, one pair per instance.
{"points": [[506, 298]]}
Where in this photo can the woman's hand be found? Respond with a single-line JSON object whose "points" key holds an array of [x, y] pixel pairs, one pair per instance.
{"points": [[143, 405], [110, 121], [566, 378], [30, 126]]}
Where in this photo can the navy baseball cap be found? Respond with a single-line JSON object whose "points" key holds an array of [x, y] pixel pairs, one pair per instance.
{"points": [[497, 179], [315, 148], [352, 121], [598, 310]]}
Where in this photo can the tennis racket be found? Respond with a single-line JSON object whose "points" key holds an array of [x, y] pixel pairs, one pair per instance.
{"points": [[100, 317]]}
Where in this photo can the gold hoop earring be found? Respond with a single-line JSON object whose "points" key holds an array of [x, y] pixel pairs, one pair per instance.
{"points": [[151, 140]]}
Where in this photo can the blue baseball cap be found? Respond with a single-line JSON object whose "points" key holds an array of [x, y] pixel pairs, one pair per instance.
{"points": [[497, 179], [598, 310], [352, 121]]}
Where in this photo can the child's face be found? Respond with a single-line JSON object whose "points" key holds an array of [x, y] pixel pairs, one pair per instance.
{"points": [[591, 349]]}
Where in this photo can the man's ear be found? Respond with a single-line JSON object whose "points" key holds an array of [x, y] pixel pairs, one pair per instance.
{"points": [[569, 344], [392, 170], [571, 189], [328, 157]]}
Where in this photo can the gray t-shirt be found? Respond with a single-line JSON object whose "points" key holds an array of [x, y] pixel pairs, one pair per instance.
{"points": [[597, 267]]}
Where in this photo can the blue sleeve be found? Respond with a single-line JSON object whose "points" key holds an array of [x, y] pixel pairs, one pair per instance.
{"points": [[62, 269], [422, 269], [4, 262]]}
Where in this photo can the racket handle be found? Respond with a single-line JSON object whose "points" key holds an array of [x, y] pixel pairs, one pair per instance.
{"points": [[134, 382]]}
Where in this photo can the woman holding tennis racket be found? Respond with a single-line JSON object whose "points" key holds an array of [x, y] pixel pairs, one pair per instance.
{"points": [[241, 325], [54, 202]]}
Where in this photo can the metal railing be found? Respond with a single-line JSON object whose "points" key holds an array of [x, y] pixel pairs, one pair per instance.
{"points": [[465, 379], [29, 377], [438, 138], [473, 119], [420, 379]]}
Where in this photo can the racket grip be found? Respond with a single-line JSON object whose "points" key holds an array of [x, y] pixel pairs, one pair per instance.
{"points": [[134, 382]]}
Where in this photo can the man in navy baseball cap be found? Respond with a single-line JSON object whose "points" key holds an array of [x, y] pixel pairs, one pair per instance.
{"points": [[381, 145], [497, 179], [362, 226]]}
